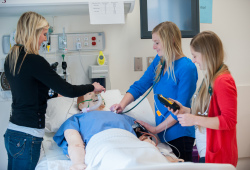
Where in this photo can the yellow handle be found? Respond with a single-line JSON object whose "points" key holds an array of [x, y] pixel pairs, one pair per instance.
{"points": [[166, 99]]}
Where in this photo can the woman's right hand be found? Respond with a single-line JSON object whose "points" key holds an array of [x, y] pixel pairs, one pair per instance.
{"points": [[98, 88], [116, 108], [182, 110]]}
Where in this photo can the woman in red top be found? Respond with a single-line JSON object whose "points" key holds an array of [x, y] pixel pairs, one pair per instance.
{"points": [[215, 104]]}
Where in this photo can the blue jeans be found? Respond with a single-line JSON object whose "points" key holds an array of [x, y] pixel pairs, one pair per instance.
{"points": [[23, 150]]}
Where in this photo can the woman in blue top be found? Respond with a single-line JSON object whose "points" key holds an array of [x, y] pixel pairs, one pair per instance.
{"points": [[177, 79]]}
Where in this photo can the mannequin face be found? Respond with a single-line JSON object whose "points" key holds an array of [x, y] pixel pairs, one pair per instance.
{"points": [[89, 100]]}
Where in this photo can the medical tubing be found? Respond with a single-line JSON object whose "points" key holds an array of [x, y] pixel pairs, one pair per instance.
{"points": [[165, 133], [156, 141], [84, 110], [139, 101], [147, 93], [169, 143], [151, 135]]}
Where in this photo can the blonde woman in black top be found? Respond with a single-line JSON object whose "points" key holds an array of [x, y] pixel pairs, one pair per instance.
{"points": [[30, 77]]}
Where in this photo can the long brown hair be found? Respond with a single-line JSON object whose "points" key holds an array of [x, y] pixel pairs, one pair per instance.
{"points": [[170, 36], [29, 28], [210, 46]]}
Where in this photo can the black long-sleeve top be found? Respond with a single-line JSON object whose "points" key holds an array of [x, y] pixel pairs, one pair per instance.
{"points": [[30, 88]]}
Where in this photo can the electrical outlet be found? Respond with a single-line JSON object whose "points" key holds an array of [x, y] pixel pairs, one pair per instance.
{"points": [[138, 64], [150, 60]]}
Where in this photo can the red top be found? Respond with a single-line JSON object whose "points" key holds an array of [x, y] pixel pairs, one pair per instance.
{"points": [[222, 143]]}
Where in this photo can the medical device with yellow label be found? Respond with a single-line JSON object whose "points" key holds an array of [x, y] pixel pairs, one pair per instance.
{"points": [[168, 103], [101, 59]]}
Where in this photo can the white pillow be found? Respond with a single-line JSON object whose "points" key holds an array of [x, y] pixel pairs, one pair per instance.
{"points": [[143, 111], [57, 112]]}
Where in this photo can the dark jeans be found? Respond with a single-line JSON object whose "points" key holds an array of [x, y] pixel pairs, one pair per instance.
{"points": [[202, 160], [185, 146], [23, 150]]}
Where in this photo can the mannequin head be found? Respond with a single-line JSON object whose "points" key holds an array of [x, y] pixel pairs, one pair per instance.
{"points": [[88, 100]]}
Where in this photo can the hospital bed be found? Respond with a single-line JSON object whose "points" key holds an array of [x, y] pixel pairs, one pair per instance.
{"points": [[61, 108]]}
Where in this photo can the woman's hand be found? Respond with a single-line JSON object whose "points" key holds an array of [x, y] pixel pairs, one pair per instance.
{"points": [[98, 88], [58, 95], [116, 108], [187, 119], [182, 110], [151, 129]]}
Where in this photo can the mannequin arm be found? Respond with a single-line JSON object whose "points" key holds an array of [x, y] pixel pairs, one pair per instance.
{"points": [[76, 149]]}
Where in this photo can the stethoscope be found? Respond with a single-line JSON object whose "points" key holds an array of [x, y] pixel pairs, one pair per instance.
{"points": [[210, 91], [162, 68]]}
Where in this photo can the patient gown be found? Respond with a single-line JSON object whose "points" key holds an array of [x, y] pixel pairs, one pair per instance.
{"points": [[91, 123]]}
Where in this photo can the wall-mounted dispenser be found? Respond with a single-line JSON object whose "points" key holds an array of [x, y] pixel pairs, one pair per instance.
{"points": [[6, 44], [98, 74]]}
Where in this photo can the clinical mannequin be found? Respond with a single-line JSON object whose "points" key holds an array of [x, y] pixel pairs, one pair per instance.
{"points": [[76, 146]]}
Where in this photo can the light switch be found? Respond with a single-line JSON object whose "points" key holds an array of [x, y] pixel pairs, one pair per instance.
{"points": [[150, 60], [138, 63]]}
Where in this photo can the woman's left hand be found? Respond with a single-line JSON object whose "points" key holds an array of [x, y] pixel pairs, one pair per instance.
{"points": [[150, 128], [186, 119]]}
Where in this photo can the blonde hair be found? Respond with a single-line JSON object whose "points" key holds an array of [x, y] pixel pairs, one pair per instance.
{"points": [[29, 28], [170, 37], [210, 46]]}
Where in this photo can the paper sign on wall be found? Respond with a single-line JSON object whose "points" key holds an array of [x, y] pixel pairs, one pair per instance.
{"points": [[106, 12], [206, 7]]}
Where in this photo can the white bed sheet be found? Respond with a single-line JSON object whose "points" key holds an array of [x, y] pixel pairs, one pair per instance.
{"points": [[52, 158]]}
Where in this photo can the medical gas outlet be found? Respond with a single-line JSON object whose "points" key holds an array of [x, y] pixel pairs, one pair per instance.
{"points": [[82, 41]]}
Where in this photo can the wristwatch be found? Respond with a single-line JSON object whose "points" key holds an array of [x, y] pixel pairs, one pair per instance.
{"points": [[4, 82]]}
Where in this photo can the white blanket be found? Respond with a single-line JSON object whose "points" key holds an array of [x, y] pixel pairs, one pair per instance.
{"points": [[119, 149], [101, 153]]}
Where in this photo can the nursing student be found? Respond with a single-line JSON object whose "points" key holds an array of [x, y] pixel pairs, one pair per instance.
{"points": [[30, 77], [215, 105], [173, 75]]}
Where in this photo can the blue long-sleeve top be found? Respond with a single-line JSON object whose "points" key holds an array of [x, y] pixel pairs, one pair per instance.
{"points": [[181, 90]]}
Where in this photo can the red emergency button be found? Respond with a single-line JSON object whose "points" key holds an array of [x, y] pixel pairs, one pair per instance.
{"points": [[93, 38], [93, 43]]}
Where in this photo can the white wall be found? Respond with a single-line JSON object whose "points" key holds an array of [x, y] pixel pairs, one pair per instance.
{"points": [[230, 21]]}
